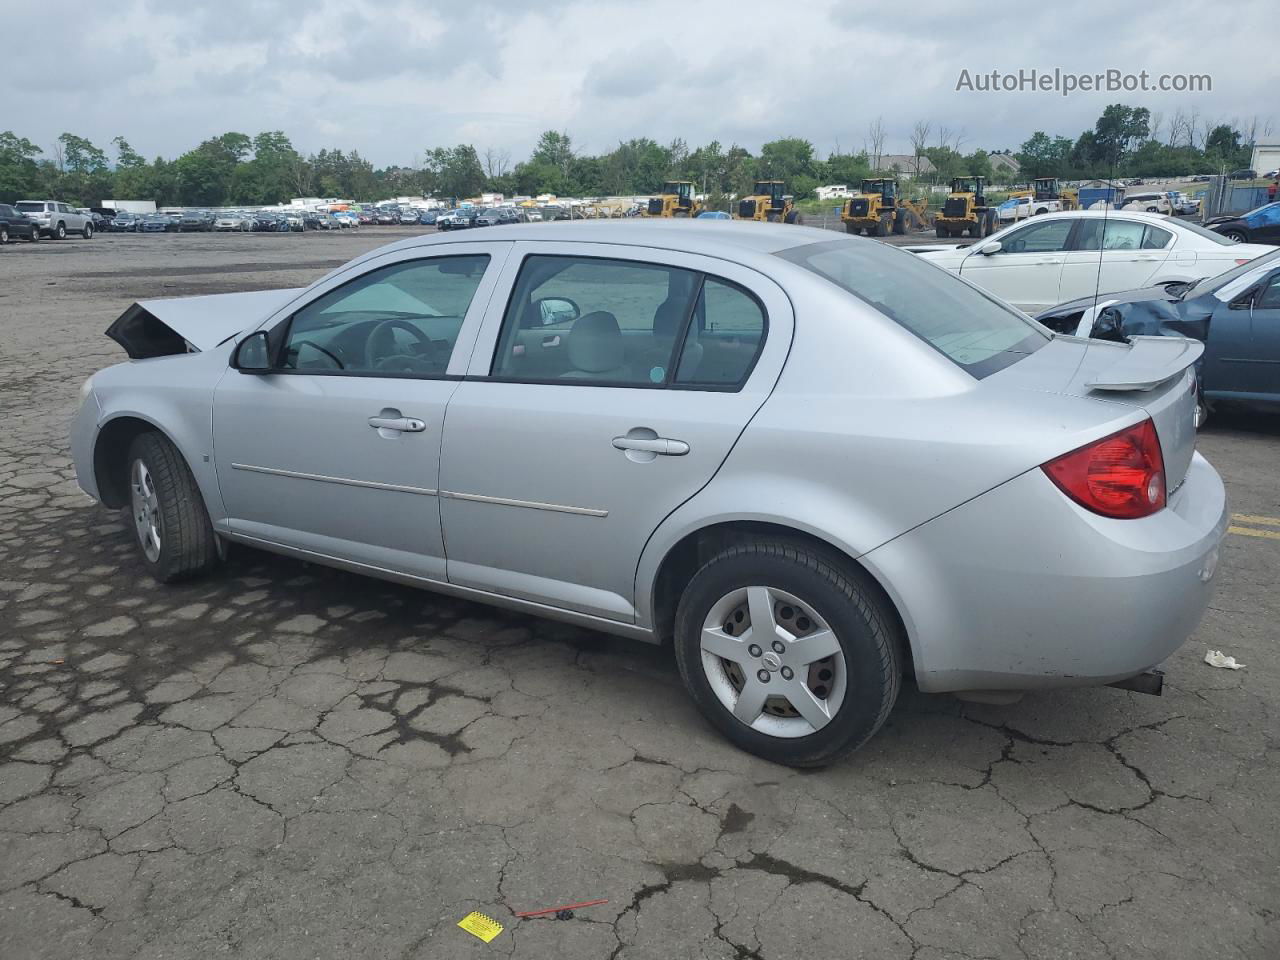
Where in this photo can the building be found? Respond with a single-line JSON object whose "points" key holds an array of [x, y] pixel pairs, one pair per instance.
{"points": [[1004, 166], [1266, 156], [904, 163]]}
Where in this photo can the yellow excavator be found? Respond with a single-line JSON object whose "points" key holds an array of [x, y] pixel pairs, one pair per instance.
{"points": [[769, 203], [675, 200], [966, 210], [1048, 192], [876, 209]]}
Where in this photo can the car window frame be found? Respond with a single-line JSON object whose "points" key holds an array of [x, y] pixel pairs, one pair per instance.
{"points": [[1033, 223], [278, 324], [519, 260]]}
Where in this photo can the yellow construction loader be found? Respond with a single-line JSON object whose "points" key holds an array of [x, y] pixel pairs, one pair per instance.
{"points": [[1049, 197], [877, 209], [768, 203], [966, 210], [675, 200]]}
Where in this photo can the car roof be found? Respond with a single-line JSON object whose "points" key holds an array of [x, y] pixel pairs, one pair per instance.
{"points": [[710, 237]]}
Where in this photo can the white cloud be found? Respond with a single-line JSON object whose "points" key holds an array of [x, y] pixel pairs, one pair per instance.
{"points": [[392, 78]]}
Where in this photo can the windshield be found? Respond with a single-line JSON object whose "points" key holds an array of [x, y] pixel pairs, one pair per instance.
{"points": [[969, 327], [1206, 233], [1222, 279]]}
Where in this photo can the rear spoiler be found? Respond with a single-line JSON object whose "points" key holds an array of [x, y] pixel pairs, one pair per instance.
{"points": [[1147, 363]]}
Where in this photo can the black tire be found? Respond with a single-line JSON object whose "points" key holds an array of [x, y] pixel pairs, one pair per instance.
{"points": [[940, 230], [35, 235], [866, 630], [900, 223], [882, 227], [850, 228], [60, 232], [1237, 235], [87, 232], [4, 234], [188, 545]]}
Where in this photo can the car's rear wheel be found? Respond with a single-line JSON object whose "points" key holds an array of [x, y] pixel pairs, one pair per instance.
{"points": [[61, 231], [87, 232], [170, 522], [4, 234], [789, 656]]}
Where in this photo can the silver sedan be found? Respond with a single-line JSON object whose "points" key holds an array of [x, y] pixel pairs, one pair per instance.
{"points": [[815, 464]]}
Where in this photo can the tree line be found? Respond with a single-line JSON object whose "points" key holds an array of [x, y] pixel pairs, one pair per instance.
{"points": [[236, 169]]}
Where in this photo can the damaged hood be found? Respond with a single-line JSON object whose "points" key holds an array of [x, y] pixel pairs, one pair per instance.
{"points": [[1149, 312], [159, 328]]}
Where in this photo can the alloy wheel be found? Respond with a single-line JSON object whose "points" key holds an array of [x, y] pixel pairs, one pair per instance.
{"points": [[145, 505], [773, 661]]}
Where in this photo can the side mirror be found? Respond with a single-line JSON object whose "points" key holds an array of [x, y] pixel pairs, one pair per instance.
{"points": [[253, 354], [987, 249], [1107, 326], [554, 310], [1244, 301]]}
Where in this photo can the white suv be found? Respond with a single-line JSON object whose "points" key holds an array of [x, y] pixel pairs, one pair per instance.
{"points": [[57, 219]]}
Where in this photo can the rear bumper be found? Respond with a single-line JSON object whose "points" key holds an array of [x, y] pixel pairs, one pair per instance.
{"points": [[1021, 588]]}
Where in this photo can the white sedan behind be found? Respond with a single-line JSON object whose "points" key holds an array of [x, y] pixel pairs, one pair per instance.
{"points": [[1060, 256]]}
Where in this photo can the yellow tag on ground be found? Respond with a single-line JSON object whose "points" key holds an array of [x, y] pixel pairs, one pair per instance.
{"points": [[478, 925]]}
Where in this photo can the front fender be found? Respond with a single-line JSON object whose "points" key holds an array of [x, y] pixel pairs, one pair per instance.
{"points": [[178, 405]]}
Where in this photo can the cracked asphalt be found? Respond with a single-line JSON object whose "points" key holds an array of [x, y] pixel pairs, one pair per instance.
{"points": [[294, 762]]}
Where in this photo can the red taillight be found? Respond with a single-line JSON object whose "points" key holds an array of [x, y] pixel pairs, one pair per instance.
{"points": [[1119, 476], [1240, 263]]}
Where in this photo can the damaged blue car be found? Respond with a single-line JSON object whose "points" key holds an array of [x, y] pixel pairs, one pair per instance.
{"points": [[1235, 314]]}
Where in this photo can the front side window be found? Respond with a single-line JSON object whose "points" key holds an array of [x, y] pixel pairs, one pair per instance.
{"points": [[971, 328], [1047, 237], [401, 319]]}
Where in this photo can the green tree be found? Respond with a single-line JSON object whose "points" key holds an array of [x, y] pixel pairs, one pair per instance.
{"points": [[455, 171], [126, 156], [19, 172]]}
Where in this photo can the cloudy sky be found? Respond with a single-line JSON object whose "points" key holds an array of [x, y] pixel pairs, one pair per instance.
{"points": [[392, 78]]}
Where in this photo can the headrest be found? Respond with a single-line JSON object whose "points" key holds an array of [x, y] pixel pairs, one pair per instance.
{"points": [[595, 343]]}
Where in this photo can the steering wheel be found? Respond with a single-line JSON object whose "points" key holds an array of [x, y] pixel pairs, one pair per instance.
{"points": [[381, 344], [299, 344]]}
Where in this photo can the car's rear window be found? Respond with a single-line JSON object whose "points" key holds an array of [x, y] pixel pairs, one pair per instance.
{"points": [[971, 328], [28, 206]]}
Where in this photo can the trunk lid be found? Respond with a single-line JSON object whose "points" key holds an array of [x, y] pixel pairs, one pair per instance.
{"points": [[1155, 374], [159, 328]]}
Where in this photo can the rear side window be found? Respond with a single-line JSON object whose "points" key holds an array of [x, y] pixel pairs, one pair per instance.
{"points": [[974, 330], [604, 321]]}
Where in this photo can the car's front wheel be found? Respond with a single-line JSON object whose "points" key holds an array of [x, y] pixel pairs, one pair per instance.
{"points": [[790, 656], [87, 232], [4, 234], [170, 522], [1237, 235]]}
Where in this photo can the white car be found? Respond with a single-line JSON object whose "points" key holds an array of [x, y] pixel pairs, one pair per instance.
{"points": [[1043, 261], [1148, 202]]}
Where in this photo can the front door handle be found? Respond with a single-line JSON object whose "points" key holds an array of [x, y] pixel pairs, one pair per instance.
{"points": [[659, 445], [398, 424]]}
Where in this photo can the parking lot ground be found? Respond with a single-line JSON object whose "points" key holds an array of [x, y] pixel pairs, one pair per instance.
{"points": [[290, 761]]}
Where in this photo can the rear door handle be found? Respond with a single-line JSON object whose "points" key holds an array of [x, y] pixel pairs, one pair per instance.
{"points": [[659, 445], [399, 424]]}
